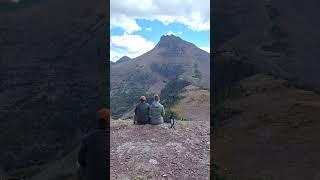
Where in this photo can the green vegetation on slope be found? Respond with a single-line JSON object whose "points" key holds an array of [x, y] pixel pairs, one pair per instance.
{"points": [[170, 95], [128, 93]]}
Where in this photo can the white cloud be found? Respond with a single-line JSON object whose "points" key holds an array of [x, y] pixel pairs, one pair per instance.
{"points": [[171, 33], [174, 33], [129, 45], [205, 48], [132, 43], [194, 14], [122, 21]]}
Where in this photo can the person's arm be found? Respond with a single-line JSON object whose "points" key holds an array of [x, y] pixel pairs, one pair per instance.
{"points": [[135, 115], [150, 113], [82, 154], [163, 112]]}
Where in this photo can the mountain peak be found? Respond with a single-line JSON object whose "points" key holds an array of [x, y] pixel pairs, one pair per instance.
{"points": [[123, 59], [172, 42], [172, 39], [169, 37]]}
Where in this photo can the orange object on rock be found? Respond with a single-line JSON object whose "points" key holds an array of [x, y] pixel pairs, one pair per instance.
{"points": [[103, 114]]}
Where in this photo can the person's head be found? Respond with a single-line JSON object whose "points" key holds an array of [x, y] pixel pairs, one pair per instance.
{"points": [[157, 98], [103, 116], [142, 99]]}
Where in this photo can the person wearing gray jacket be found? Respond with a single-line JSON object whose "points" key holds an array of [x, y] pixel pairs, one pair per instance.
{"points": [[156, 111]]}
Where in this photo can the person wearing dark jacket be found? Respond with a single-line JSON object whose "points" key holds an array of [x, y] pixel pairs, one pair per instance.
{"points": [[92, 157], [141, 112]]}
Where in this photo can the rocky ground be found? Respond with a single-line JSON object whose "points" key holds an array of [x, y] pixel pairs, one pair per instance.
{"points": [[159, 152]]}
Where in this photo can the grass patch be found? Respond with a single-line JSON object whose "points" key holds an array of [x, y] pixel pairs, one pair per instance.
{"points": [[170, 96]]}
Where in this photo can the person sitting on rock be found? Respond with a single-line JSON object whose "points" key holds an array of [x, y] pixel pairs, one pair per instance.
{"points": [[142, 112], [156, 112], [92, 156]]}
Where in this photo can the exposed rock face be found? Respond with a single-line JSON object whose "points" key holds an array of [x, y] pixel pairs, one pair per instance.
{"points": [[53, 77], [170, 60]]}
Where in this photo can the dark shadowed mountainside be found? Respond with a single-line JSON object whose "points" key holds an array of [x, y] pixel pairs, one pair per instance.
{"points": [[172, 62], [53, 78], [278, 37], [265, 86], [268, 128]]}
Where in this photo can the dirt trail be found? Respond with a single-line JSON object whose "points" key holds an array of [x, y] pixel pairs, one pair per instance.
{"points": [[158, 152]]}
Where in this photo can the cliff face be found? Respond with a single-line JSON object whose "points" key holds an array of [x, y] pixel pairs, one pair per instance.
{"points": [[53, 77]]}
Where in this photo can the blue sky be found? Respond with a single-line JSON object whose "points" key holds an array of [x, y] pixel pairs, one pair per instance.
{"points": [[135, 31]]}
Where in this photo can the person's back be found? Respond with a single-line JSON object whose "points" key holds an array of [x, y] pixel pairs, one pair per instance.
{"points": [[142, 111], [93, 154], [156, 112]]}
